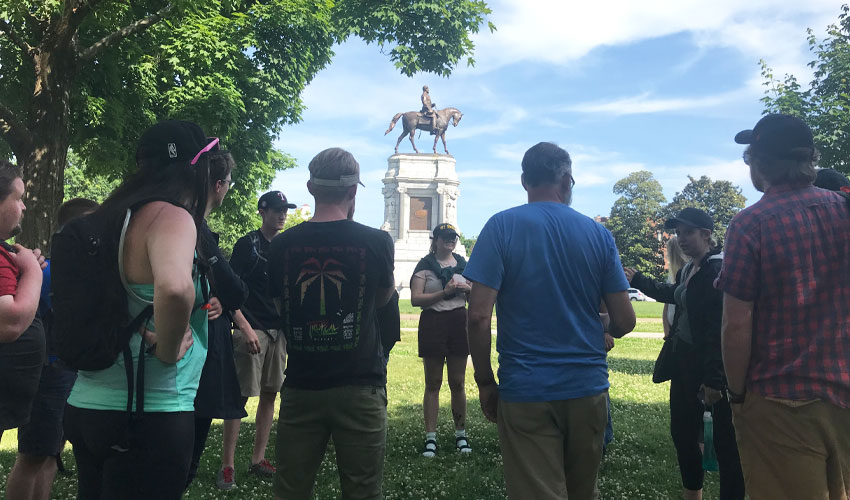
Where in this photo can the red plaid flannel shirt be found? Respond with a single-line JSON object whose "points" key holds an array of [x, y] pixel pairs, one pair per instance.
{"points": [[789, 254]]}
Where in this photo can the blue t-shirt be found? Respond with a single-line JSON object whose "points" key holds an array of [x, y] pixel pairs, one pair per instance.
{"points": [[551, 266]]}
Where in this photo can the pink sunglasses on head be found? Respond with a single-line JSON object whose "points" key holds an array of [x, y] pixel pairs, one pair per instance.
{"points": [[207, 148]]}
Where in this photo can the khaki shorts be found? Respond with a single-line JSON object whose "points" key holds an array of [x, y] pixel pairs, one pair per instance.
{"points": [[355, 417], [261, 372], [793, 449], [552, 450]]}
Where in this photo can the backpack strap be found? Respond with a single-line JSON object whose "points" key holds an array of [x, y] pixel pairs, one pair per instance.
{"points": [[137, 388], [255, 251], [121, 273]]}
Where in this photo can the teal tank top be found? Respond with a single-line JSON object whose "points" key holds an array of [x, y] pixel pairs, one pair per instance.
{"points": [[168, 387]]}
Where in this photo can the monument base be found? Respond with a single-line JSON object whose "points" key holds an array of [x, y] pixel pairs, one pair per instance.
{"points": [[420, 192]]}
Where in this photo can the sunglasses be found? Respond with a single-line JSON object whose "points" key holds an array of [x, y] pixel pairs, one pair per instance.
{"points": [[209, 147]]}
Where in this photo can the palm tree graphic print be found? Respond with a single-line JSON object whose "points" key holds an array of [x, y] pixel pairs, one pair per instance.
{"points": [[313, 271]]}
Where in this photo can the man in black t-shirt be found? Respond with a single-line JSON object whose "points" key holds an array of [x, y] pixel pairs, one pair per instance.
{"points": [[328, 276], [259, 348]]}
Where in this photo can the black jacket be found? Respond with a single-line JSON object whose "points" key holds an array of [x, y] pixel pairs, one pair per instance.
{"points": [[225, 283], [704, 304]]}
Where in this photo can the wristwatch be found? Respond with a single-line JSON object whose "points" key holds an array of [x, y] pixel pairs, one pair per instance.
{"points": [[735, 398]]}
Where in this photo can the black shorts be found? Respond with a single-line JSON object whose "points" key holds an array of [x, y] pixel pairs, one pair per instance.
{"points": [[42, 436], [20, 371], [443, 334]]}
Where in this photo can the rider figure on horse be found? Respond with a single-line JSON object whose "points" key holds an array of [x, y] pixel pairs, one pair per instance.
{"points": [[428, 109]]}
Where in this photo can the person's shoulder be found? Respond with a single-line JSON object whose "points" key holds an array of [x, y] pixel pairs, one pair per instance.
{"points": [[247, 238], [162, 208], [370, 232], [519, 212], [163, 214], [5, 255]]}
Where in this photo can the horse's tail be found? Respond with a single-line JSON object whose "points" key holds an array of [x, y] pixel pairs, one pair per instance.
{"points": [[392, 123]]}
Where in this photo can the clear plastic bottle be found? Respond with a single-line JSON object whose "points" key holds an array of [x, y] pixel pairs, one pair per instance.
{"points": [[709, 456]]}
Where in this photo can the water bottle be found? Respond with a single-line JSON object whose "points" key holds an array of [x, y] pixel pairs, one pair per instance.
{"points": [[709, 456]]}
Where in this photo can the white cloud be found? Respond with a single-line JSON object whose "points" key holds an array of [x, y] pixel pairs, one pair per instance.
{"points": [[561, 32], [646, 103]]}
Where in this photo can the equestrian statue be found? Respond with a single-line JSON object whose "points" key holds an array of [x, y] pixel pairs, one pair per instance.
{"points": [[429, 118]]}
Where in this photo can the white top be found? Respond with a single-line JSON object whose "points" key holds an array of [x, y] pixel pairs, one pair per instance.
{"points": [[432, 285]]}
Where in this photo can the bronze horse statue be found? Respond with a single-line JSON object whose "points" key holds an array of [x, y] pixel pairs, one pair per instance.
{"points": [[415, 120]]}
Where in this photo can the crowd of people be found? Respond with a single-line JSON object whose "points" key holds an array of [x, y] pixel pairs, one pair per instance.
{"points": [[756, 335]]}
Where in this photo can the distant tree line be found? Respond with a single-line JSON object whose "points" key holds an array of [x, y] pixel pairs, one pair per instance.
{"points": [[638, 215]]}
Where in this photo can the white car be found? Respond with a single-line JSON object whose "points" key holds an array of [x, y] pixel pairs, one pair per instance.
{"points": [[635, 295]]}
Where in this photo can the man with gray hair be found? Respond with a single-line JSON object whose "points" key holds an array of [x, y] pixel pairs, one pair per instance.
{"points": [[786, 331], [550, 269], [327, 277]]}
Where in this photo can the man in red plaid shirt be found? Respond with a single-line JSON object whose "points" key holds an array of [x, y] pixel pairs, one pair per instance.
{"points": [[786, 328]]}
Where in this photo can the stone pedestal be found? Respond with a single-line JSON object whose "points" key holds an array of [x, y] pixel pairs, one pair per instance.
{"points": [[420, 191]]}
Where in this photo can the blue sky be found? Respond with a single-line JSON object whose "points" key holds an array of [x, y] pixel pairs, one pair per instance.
{"points": [[622, 85]]}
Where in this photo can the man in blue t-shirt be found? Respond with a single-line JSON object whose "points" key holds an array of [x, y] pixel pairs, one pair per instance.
{"points": [[549, 269]]}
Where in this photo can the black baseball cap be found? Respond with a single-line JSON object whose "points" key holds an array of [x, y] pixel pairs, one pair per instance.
{"points": [[174, 141], [831, 179], [444, 229], [692, 217], [777, 134], [273, 200]]}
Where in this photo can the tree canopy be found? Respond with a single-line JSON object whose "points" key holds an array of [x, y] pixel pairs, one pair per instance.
{"points": [[825, 103], [634, 222], [720, 199], [93, 74]]}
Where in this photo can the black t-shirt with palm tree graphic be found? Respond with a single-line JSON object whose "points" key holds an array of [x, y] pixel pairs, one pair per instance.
{"points": [[326, 276]]}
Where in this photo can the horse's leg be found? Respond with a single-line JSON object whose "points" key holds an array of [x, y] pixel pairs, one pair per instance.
{"points": [[403, 133], [436, 138], [411, 139], [443, 137]]}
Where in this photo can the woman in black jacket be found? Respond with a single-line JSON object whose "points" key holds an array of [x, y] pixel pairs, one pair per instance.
{"points": [[218, 389], [697, 379]]}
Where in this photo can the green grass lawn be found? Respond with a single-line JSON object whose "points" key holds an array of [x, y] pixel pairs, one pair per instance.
{"points": [[641, 462], [648, 314], [648, 309]]}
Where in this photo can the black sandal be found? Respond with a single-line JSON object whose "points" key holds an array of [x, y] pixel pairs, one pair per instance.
{"points": [[462, 444], [430, 450]]}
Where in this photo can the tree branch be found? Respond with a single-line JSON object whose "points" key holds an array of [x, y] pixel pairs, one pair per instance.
{"points": [[137, 27], [6, 28], [14, 131], [82, 10]]}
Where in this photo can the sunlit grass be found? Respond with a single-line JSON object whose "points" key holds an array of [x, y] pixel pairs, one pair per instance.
{"points": [[640, 462]]}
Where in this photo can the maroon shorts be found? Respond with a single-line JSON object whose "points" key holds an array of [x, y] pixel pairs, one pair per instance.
{"points": [[443, 333]]}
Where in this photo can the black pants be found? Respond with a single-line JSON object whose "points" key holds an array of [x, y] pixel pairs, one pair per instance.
{"points": [[202, 431], [152, 463], [686, 427]]}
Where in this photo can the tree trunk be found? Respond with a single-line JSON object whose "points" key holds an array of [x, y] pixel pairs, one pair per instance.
{"points": [[49, 123]]}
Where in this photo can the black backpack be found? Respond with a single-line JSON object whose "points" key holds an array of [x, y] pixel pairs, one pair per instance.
{"points": [[92, 324]]}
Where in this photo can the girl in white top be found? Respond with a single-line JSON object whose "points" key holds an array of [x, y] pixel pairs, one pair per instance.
{"points": [[438, 287]]}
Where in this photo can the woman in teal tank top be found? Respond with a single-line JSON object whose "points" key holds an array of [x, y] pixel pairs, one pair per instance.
{"points": [[148, 455]]}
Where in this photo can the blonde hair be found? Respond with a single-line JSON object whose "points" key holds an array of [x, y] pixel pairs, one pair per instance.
{"points": [[675, 257]]}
